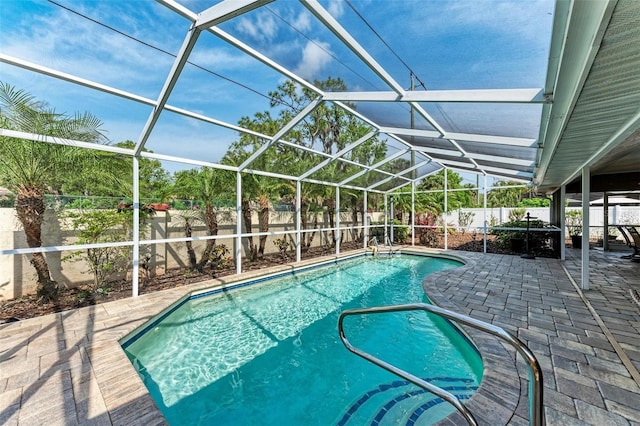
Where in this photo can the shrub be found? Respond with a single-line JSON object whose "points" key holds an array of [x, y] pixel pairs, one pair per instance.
{"points": [[538, 240], [517, 214], [427, 236], [220, 258], [574, 222], [534, 202], [102, 226], [81, 204], [7, 200], [451, 228], [283, 246], [400, 232], [465, 219], [178, 205]]}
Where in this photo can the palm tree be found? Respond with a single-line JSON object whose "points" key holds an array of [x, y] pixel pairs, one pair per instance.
{"points": [[207, 186], [257, 188], [31, 167]]}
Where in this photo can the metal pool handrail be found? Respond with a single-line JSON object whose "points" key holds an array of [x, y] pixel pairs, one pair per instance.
{"points": [[535, 372]]}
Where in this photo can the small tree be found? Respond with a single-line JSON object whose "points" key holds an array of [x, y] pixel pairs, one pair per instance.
{"points": [[465, 219], [102, 226], [427, 236], [574, 222], [219, 258], [31, 167], [283, 246], [516, 215], [538, 240]]}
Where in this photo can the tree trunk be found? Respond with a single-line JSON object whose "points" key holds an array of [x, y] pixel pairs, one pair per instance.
{"points": [[312, 234], [30, 209], [193, 264], [303, 225], [263, 220], [331, 206], [354, 222], [212, 225], [248, 225]]}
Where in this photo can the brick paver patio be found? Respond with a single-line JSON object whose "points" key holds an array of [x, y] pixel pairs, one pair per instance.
{"points": [[68, 368]]}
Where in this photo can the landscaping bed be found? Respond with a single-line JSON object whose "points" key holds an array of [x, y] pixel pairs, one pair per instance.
{"points": [[73, 298]]}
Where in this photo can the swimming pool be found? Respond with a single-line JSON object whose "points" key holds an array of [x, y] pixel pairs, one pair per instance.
{"points": [[270, 353]]}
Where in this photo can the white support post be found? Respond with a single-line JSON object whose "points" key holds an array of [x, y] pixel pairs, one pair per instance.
{"points": [[484, 215], [392, 221], [337, 231], [563, 232], [365, 222], [413, 213], [586, 189], [135, 272], [605, 233], [386, 212], [446, 211], [298, 221], [238, 253]]}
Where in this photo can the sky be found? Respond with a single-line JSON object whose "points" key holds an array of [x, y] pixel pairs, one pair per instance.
{"points": [[130, 45]]}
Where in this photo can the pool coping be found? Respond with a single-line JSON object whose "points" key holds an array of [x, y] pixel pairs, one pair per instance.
{"points": [[500, 392]]}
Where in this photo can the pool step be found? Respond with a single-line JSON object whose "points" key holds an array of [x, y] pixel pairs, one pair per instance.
{"points": [[401, 403]]}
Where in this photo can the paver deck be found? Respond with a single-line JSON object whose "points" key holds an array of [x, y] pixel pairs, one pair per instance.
{"points": [[68, 368]]}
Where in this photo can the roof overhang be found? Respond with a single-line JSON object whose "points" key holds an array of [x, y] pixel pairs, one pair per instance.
{"points": [[594, 78]]}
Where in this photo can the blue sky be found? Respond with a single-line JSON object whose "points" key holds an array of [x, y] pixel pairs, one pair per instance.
{"points": [[448, 44]]}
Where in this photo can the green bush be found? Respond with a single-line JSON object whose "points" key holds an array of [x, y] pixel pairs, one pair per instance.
{"points": [[81, 204], [517, 214], [538, 240], [220, 258], [573, 221], [429, 237], [102, 226], [534, 202], [7, 201], [465, 219], [283, 246], [400, 232], [179, 205]]}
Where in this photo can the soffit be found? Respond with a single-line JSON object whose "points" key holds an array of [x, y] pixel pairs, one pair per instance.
{"points": [[602, 127]]}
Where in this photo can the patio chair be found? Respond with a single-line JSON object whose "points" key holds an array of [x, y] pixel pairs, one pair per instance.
{"points": [[635, 237], [628, 240]]}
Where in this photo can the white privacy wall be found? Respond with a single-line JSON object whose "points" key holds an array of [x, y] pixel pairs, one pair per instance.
{"points": [[618, 215]]}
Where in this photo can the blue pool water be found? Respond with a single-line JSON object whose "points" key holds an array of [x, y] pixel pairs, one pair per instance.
{"points": [[270, 353]]}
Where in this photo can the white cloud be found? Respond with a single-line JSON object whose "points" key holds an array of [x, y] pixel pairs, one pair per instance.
{"points": [[65, 42], [219, 59], [315, 58], [262, 28], [507, 17], [336, 8], [302, 22]]}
